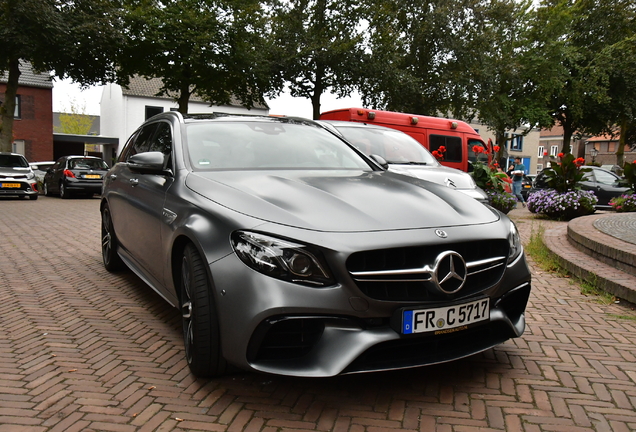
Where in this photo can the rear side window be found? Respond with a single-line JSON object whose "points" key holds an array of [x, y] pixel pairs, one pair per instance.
{"points": [[453, 146]]}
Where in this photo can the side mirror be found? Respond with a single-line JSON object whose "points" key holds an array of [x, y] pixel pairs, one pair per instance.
{"points": [[380, 161], [148, 163]]}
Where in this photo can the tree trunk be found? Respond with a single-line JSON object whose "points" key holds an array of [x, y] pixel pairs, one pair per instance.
{"points": [[620, 151], [184, 98], [7, 109]]}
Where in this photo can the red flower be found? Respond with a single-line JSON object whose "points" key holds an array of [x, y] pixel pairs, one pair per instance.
{"points": [[441, 149], [545, 153], [496, 148], [478, 149], [579, 162], [560, 155]]}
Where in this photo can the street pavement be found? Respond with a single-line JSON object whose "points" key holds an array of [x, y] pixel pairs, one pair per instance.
{"points": [[82, 349]]}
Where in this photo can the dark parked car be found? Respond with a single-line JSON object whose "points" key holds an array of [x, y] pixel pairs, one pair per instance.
{"points": [[526, 185], [605, 185], [75, 175], [17, 177], [290, 252], [405, 155]]}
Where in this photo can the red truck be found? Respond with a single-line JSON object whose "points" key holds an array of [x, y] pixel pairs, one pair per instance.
{"points": [[456, 136]]}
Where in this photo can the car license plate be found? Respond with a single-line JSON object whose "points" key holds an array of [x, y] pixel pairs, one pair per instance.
{"points": [[445, 319], [527, 186], [92, 176], [10, 185]]}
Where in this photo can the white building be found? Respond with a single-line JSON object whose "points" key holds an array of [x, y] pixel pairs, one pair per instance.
{"points": [[124, 109]]}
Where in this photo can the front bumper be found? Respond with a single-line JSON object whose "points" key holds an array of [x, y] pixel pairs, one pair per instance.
{"points": [[18, 188], [282, 328]]}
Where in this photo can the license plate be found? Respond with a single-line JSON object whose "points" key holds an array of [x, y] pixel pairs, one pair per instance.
{"points": [[10, 185], [527, 186], [92, 176], [445, 319]]}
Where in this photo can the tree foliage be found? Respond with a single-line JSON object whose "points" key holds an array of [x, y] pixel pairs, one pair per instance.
{"points": [[318, 46], [212, 47], [72, 38], [76, 122]]}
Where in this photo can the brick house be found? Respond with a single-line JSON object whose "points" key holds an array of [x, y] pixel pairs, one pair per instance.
{"points": [[33, 123]]}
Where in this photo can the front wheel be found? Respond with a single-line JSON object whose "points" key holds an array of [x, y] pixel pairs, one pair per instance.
{"points": [[47, 192], [200, 322], [112, 261], [33, 197]]}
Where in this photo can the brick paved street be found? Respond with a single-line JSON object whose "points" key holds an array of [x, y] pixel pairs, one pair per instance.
{"points": [[85, 350]]}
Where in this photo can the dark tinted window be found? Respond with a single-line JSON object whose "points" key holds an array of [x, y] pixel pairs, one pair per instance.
{"points": [[141, 142], [162, 142], [88, 163], [453, 146], [13, 161]]}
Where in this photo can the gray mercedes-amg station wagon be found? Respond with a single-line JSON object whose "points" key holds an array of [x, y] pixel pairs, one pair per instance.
{"points": [[289, 251]]}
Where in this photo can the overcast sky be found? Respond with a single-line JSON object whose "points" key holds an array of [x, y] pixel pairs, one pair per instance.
{"points": [[66, 93]]}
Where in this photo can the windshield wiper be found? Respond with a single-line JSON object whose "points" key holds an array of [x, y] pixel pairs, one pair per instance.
{"points": [[407, 163]]}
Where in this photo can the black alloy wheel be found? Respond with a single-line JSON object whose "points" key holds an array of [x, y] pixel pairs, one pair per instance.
{"points": [[200, 322], [112, 261]]}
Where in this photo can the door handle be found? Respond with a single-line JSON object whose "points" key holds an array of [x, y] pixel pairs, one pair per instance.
{"points": [[113, 177], [134, 182]]}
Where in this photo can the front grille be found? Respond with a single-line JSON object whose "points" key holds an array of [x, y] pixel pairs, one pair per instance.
{"points": [[420, 351], [13, 177], [408, 280]]}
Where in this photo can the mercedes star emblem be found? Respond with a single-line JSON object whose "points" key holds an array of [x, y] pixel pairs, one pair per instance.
{"points": [[450, 272]]}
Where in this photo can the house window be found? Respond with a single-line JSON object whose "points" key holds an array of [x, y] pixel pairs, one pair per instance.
{"points": [[516, 142], [540, 151], [539, 167], [611, 146], [18, 146], [18, 107], [153, 111], [554, 150]]}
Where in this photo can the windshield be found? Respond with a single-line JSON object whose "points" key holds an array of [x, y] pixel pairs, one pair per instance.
{"points": [[394, 146], [267, 145], [13, 161]]}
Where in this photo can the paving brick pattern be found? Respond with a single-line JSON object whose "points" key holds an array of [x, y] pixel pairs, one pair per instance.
{"points": [[85, 350]]}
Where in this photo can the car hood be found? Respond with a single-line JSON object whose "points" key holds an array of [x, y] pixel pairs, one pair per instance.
{"points": [[437, 174], [11, 171], [340, 201]]}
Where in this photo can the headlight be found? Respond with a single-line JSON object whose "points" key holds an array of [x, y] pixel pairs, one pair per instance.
{"points": [[30, 176], [281, 259], [515, 243]]}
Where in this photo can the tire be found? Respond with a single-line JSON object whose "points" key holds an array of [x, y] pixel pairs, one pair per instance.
{"points": [[64, 194], [47, 192], [200, 322], [33, 197], [112, 261]]}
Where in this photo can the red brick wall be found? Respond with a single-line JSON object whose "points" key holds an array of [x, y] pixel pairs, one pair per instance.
{"points": [[35, 126]]}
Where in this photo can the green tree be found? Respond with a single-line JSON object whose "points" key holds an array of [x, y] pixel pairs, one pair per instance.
{"points": [[215, 48], [418, 48], [511, 79], [319, 46], [73, 39], [581, 29], [76, 122]]}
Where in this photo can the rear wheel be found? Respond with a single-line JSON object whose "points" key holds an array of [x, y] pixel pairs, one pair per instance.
{"points": [[64, 193], [200, 322], [112, 261]]}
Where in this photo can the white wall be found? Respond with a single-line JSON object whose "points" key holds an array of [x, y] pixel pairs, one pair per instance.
{"points": [[121, 114]]}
